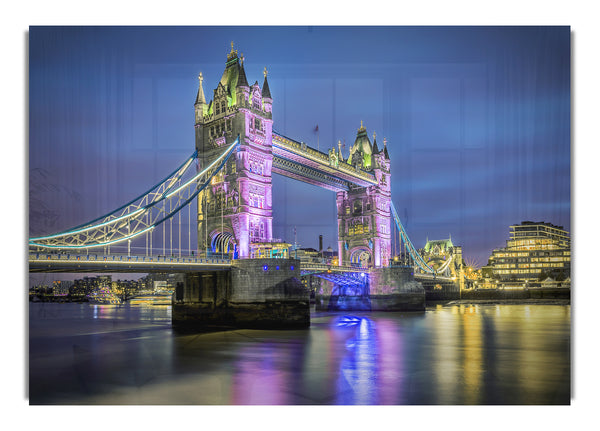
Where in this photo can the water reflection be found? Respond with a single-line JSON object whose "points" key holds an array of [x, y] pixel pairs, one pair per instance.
{"points": [[473, 354], [257, 379], [460, 354], [357, 376]]}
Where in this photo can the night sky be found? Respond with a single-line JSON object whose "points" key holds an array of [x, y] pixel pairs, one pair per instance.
{"points": [[477, 119]]}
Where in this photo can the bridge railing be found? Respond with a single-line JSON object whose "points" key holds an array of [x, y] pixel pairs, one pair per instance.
{"points": [[124, 258], [325, 267], [435, 277]]}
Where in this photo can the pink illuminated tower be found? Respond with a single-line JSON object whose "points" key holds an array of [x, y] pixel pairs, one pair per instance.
{"points": [[236, 210], [364, 235]]}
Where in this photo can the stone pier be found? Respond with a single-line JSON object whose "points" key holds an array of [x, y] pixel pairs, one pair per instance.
{"points": [[255, 293], [386, 289]]}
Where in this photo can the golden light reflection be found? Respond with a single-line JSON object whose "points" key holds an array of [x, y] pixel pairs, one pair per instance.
{"points": [[473, 357], [446, 331]]}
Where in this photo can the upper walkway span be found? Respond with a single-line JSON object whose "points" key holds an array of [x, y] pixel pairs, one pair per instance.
{"points": [[297, 160]]}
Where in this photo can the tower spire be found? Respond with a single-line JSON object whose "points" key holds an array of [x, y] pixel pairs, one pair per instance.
{"points": [[375, 147], [232, 54], [242, 81], [266, 93], [200, 97], [385, 151]]}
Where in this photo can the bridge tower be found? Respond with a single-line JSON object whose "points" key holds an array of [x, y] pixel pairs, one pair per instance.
{"points": [[364, 218], [235, 212]]}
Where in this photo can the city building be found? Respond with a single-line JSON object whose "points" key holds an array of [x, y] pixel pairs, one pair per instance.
{"points": [[61, 288], [535, 252]]}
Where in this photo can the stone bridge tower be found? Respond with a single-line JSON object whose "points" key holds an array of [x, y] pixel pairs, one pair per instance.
{"points": [[364, 219], [235, 211]]}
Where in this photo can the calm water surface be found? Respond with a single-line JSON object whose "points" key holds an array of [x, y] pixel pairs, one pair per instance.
{"points": [[453, 354]]}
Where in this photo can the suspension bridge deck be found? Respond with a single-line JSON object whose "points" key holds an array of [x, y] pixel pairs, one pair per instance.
{"points": [[50, 262]]}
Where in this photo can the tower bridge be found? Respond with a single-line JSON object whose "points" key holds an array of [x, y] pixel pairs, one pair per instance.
{"points": [[228, 179]]}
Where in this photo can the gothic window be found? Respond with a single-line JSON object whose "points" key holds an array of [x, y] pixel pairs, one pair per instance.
{"points": [[257, 200], [347, 210], [358, 228], [357, 207], [217, 108], [223, 106], [257, 124], [255, 230]]}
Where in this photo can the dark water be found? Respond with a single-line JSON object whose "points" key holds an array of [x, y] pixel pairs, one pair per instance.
{"points": [[453, 354]]}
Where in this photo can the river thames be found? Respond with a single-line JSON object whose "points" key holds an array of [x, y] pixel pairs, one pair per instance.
{"points": [[461, 354]]}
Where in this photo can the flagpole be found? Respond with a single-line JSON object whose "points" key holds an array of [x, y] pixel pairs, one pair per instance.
{"points": [[317, 130]]}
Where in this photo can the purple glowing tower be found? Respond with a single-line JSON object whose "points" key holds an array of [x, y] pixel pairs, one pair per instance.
{"points": [[235, 212], [364, 235]]}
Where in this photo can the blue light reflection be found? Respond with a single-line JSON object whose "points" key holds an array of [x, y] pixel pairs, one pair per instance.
{"points": [[358, 375]]}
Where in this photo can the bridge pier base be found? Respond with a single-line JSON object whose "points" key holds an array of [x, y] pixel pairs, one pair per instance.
{"points": [[390, 289], [255, 293]]}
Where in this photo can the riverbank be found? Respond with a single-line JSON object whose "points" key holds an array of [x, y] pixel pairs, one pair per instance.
{"points": [[546, 301]]}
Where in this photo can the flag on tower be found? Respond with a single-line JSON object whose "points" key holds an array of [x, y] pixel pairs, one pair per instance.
{"points": [[317, 129]]}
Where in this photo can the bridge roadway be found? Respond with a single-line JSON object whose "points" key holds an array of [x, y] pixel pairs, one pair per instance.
{"points": [[43, 262], [72, 262], [51, 262]]}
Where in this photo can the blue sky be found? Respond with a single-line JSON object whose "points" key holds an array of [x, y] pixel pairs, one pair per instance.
{"points": [[477, 119]]}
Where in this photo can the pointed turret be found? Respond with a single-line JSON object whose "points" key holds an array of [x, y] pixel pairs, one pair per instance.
{"points": [[340, 156], [266, 93], [375, 149], [200, 106], [242, 81], [385, 152], [200, 96], [242, 89]]}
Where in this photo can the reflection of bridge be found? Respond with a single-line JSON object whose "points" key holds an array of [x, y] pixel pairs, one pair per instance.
{"points": [[228, 180]]}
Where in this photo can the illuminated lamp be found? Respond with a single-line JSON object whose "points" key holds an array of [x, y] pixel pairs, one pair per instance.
{"points": [[265, 267], [292, 267], [277, 267]]}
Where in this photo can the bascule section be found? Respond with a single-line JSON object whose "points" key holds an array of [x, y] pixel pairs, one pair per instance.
{"points": [[235, 216], [364, 219]]}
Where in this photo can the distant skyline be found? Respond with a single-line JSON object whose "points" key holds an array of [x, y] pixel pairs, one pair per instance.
{"points": [[477, 119]]}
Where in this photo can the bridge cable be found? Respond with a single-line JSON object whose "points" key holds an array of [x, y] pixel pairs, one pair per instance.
{"points": [[165, 194]]}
